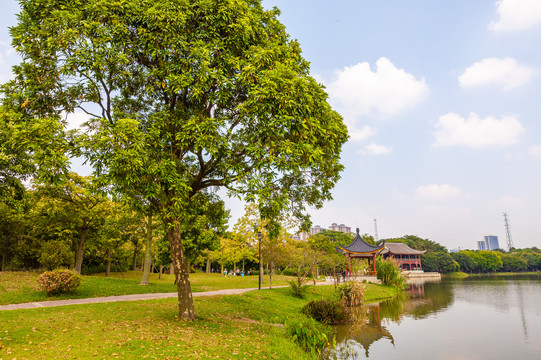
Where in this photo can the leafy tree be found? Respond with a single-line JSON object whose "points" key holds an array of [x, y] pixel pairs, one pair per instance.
{"points": [[466, 263], [439, 261], [81, 212], [191, 95], [338, 237], [418, 243], [485, 260], [513, 263], [12, 228]]}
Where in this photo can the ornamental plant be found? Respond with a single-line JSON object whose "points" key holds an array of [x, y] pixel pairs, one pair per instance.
{"points": [[59, 281], [351, 293], [389, 273]]}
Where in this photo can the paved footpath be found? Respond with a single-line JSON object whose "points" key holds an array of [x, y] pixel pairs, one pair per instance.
{"points": [[136, 297]]}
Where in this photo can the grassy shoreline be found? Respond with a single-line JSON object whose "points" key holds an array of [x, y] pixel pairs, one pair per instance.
{"points": [[247, 326]]}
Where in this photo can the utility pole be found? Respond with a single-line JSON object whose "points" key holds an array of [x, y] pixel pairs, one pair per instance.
{"points": [[507, 232], [376, 230]]}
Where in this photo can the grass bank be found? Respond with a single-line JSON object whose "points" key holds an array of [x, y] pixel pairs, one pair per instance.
{"points": [[21, 287], [244, 326]]}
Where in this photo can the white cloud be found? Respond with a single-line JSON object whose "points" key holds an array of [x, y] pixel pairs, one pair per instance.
{"points": [[375, 149], [505, 73], [535, 150], [516, 15], [437, 192], [360, 134], [453, 129], [358, 91]]}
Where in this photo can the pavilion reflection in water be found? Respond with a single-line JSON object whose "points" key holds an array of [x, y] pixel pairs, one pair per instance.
{"points": [[371, 320]]}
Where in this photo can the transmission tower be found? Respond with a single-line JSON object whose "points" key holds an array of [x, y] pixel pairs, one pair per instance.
{"points": [[376, 230], [507, 232]]}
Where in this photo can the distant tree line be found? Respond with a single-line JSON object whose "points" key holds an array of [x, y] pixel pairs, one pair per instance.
{"points": [[439, 259]]}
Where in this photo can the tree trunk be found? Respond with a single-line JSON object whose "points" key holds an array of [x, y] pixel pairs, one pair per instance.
{"points": [[314, 280], [108, 268], [208, 266], [271, 273], [80, 249], [3, 262], [182, 276], [145, 279], [135, 258]]}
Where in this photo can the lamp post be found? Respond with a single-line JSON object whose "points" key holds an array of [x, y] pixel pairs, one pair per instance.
{"points": [[260, 275]]}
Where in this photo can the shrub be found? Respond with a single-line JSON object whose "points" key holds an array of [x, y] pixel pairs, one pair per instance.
{"points": [[310, 335], [351, 293], [389, 273], [298, 290], [59, 281], [326, 311]]}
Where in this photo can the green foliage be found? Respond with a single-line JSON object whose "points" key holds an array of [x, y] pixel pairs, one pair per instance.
{"points": [[56, 254], [389, 273], [191, 96], [309, 334], [439, 261], [59, 281], [298, 289], [326, 311], [418, 243], [466, 263], [351, 293]]}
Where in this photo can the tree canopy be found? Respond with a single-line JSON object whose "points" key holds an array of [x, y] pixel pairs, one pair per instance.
{"points": [[183, 96]]}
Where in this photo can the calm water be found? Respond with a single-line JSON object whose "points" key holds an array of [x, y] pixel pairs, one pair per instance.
{"points": [[475, 318]]}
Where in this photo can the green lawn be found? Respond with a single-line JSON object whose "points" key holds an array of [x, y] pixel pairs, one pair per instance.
{"points": [[21, 287], [228, 327]]}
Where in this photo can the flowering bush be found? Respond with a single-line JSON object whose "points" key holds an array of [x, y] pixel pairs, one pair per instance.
{"points": [[59, 281]]}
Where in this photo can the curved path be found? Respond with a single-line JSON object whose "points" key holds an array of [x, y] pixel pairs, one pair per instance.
{"points": [[135, 297]]}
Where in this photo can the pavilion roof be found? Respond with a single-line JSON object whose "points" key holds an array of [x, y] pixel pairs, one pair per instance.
{"points": [[400, 249], [359, 247]]}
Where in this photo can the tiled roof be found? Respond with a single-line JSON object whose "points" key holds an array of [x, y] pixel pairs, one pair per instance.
{"points": [[359, 246], [400, 248]]}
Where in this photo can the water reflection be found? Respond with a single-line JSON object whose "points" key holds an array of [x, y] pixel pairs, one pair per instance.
{"points": [[449, 320], [370, 321]]}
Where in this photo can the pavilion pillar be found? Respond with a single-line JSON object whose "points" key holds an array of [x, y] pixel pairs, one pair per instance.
{"points": [[374, 261], [349, 265]]}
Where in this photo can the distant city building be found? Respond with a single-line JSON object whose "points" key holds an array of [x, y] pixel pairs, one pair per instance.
{"points": [[342, 228], [492, 242], [317, 229], [489, 242]]}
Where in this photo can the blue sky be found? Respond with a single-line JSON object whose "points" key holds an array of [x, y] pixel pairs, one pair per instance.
{"points": [[441, 99]]}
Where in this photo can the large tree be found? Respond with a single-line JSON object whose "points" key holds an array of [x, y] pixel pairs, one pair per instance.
{"points": [[183, 95]]}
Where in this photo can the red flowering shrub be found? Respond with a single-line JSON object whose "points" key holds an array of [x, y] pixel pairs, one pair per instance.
{"points": [[59, 281]]}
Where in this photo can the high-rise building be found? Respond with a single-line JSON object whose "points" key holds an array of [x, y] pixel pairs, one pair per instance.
{"points": [[491, 242]]}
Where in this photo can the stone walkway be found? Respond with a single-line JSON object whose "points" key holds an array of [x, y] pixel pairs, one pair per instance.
{"points": [[135, 297]]}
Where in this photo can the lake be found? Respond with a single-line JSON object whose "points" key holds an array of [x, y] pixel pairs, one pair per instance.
{"points": [[475, 318]]}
